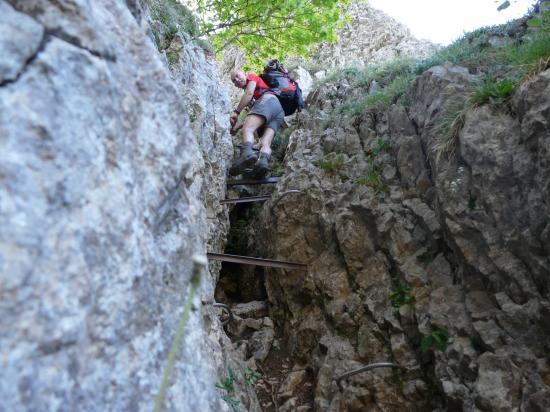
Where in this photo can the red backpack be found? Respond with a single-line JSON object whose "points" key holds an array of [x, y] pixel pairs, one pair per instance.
{"points": [[283, 86]]}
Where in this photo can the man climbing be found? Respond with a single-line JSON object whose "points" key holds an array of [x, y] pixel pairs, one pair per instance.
{"points": [[265, 117]]}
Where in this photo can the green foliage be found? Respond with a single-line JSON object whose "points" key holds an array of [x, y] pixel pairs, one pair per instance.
{"points": [[270, 28], [173, 56], [331, 163], [392, 79], [389, 72], [402, 295], [506, 63], [227, 386], [438, 339], [251, 377], [471, 50], [374, 180], [530, 57], [474, 50], [493, 92], [541, 21], [381, 146], [448, 128]]}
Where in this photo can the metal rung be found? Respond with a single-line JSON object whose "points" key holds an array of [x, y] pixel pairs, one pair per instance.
{"points": [[368, 368], [245, 199], [237, 182], [229, 311], [245, 260]]}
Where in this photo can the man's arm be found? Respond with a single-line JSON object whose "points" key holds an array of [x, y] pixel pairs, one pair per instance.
{"points": [[247, 96]]}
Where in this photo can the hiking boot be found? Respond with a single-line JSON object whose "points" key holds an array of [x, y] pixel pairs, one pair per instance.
{"points": [[245, 161], [262, 166]]}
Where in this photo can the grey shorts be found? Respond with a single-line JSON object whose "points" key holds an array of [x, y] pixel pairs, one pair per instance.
{"points": [[270, 109]]}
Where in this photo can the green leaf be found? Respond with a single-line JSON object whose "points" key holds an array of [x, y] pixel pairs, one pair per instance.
{"points": [[270, 28], [426, 343]]}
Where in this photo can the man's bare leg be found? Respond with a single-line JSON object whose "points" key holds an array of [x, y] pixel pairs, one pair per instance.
{"points": [[262, 166], [266, 140], [251, 124]]}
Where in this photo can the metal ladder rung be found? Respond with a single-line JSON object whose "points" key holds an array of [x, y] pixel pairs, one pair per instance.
{"points": [[246, 260], [245, 199], [237, 182]]}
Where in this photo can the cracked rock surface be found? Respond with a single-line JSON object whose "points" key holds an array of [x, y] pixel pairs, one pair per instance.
{"points": [[107, 190], [20, 39], [454, 245]]}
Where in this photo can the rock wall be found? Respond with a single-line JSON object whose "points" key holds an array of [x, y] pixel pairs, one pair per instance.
{"points": [[436, 262], [371, 37], [111, 166]]}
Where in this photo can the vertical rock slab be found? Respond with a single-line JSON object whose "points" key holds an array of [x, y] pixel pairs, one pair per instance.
{"points": [[101, 179]]}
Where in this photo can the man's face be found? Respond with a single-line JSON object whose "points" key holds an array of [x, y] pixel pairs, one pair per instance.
{"points": [[239, 79]]}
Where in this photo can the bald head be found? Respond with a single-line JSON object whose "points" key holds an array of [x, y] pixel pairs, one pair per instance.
{"points": [[238, 77]]}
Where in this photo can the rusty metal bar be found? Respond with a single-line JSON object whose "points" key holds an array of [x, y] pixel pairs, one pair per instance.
{"points": [[368, 368], [228, 309], [246, 260], [245, 199], [237, 182], [288, 192]]}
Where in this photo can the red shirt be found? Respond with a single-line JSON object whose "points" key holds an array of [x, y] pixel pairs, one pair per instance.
{"points": [[260, 85]]}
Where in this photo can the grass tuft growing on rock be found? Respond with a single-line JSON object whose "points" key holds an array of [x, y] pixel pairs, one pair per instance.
{"points": [[374, 180], [506, 55], [448, 128], [401, 296], [495, 93], [330, 164], [385, 83], [227, 386], [438, 339]]}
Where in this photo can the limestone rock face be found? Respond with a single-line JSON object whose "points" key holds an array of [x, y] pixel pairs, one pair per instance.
{"points": [[406, 245], [371, 36], [20, 38], [110, 168]]}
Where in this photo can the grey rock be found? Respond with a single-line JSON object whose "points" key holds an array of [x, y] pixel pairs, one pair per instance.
{"points": [[103, 189], [304, 79], [489, 333], [289, 405], [498, 385], [254, 309], [439, 272], [260, 343], [422, 210], [292, 381], [468, 234], [74, 21], [20, 40], [411, 164], [399, 123], [371, 37]]}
